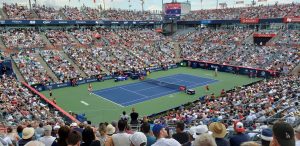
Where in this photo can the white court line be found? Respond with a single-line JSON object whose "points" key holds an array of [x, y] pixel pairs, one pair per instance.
{"points": [[133, 92], [148, 97], [108, 100], [83, 102]]}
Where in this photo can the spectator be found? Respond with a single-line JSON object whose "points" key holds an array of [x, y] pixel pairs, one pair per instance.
{"points": [[63, 133], [20, 130], [6, 140], [12, 135], [74, 138], [35, 143], [134, 117], [200, 129], [191, 132], [283, 134], [39, 132], [181, 136], [138, 139], [161, 137], [2, 141], [218, 132], [145, 128], [205, 140], [88, 136], [124, 117], [266, 137], [240, 136], [297, 134], [121, 138], [105, 139], [74, 126], [27, 135], [47, 139], [249, 143]]}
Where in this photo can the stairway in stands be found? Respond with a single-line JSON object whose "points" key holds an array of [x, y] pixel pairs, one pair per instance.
{"points": [[45, 39], [65, 56], [47, 68], [177, 50], [3, 14], [296, 70], [16, 70]]}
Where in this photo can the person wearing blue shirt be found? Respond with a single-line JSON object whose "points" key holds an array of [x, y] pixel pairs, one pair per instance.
{"points": [[145, 128], [240, 137]]}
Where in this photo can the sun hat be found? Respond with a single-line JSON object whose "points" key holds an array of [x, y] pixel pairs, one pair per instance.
{"points": [[27, 133], [218, 129], [138, 138], [110, 129]]}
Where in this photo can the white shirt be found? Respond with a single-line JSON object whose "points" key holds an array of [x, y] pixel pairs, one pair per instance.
{"points": [[297, 142], [8, 141], [166, 142], [47, 140], [121, 139]]}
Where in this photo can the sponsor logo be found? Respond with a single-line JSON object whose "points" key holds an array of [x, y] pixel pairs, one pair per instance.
{"points": [[133, 22], [100, 22], [263, 73], [62, 22], [62, 85], [2, 22], [16, 22], [31, 22], [46, 22], [80, 22], [126, 22], [151, 22], [115, 22], [91, 80]]}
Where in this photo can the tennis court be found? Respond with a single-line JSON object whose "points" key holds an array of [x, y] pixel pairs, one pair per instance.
{"points": [[133, 93]]}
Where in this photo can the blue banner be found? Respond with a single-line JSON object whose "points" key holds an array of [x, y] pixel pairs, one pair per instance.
{"points": [[253, 72], [76, 22]]}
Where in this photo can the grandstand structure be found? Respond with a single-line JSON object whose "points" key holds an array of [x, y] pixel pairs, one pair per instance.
{"points": [[51, 48]]}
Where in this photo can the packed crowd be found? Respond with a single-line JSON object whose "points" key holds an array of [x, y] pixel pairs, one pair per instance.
{"points": [[290, 37], [73, 13], [231, 47], [31, 69], [273, 11], [83, 58], [60, 66], [127, 15], [58, 37], [22, 38], [19, 106], [18, 12], [47, 13]]}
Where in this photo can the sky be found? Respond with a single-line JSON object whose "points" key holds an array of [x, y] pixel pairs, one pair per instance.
{"points": [[136, 4]]}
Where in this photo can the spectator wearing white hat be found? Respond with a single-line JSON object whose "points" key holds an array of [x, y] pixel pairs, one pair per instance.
{"points": [[205, 139], [240, 136], [200, 129], [138, 139], [218, 132], [47, 139], [27, 135]]}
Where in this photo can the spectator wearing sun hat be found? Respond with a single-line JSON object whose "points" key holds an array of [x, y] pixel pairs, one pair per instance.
{"points": [[27, 135], [218, 132], [200, 129], [160, 133], [138, 139], [266, 136], [240, 136], [283, 135]]}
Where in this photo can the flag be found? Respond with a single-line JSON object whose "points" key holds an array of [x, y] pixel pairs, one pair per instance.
{"points": [[239, 2]]}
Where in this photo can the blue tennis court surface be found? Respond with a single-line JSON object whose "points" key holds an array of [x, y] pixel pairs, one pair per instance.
{"points": [[133, 93]]}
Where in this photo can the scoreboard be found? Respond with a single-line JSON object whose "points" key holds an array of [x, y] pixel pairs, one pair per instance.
{"points": [[172, 10]]}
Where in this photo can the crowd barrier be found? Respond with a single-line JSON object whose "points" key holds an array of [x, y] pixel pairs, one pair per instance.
{"points": [[42, 87], [66, 114], [254, 72]]}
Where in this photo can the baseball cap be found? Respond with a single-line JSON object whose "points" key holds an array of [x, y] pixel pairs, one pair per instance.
{"points": [[74, 125], [267, 134], [284, 134], [138, 138], [200, 130], [239, 127], [156, 128]]}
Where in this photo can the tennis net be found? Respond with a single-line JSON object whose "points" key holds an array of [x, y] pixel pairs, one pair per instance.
{"points": [[164, 84]]}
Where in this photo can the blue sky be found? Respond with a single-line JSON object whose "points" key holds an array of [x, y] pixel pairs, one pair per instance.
{"points": [[136, 4]]}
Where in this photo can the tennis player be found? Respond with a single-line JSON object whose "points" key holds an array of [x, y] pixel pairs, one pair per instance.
{"points": [[216, 72], [90, 88]]}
